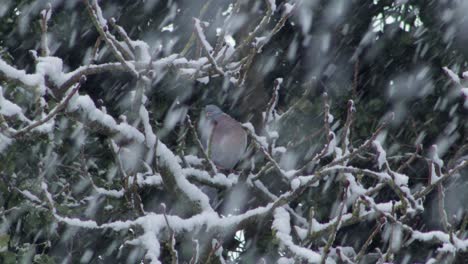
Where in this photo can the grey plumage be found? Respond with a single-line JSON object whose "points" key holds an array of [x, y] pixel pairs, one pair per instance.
{"points": [[228, 138]]}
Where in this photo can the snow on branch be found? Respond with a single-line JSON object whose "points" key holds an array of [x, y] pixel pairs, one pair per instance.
{"points": [[206, 46], [458, 82], [281, 224], [176, 179], [31, 80]]}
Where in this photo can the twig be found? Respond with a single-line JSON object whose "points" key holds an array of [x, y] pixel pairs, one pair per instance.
{"points": [[54, 111], [102, 29], [361, 148], [212, 251], [441, 207], [45, 16], [196, 249], [265, 20], [336, 225], [442, 179], [463, 225], [330, 136], [364, 247], [355, 78], [246, 67], [311, 220], [259, 146], [173, 252], [411, 159], [269, 113], [206, 46], [345, 136], [457, 155], [123, 35], [96, 50], [276, 28], [214, 171], [126, 54], [192, 37]]}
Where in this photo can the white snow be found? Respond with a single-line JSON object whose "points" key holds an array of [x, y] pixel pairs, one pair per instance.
{"points": [[295, 183], [77, 222], [464, 92], [262, 140], [46, 127], [111, 193], [201, 35], [288, 8], [258, 41], [149, 134], [400, 179], [52, 67], [143, 179], [193, 160], [435, 156], [330, 118], [381, 154], [144, 50], [98, 13], [169, 160], [4, 142], [30, 196], [272, 4], [46, 13], [204, 80], [34, 80], [219, 178], [281, 224], [90, 111], [452, 75], [8, 108], [279, 150], [332, 144], [284, 260], [187, 71], [431, 235], [230, 41], [434, 176], [169, 28]]}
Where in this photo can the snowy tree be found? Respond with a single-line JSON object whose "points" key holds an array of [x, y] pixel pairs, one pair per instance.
{"points": [[355, 113]]}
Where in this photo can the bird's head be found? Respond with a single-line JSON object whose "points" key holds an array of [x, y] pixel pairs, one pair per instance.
{"points": [[213, 112]]}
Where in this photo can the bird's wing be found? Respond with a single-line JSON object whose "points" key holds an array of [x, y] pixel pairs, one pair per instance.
{"points": [[228, 143]]}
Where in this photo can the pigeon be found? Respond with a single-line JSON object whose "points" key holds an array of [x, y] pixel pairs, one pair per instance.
{"points": [[227, 138]]}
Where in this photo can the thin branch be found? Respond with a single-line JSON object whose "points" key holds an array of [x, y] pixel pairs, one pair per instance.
{"points": [[442, 179], [441, 207], [45, 16], [345, 136], [364, 146], [206, 46], [54, 111], [192, 36], [269, 113], [364, 247], [259, 146], [123, 35], [265, 20], [214, 171], [102, 29], [413, 157], [336, 225]]}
